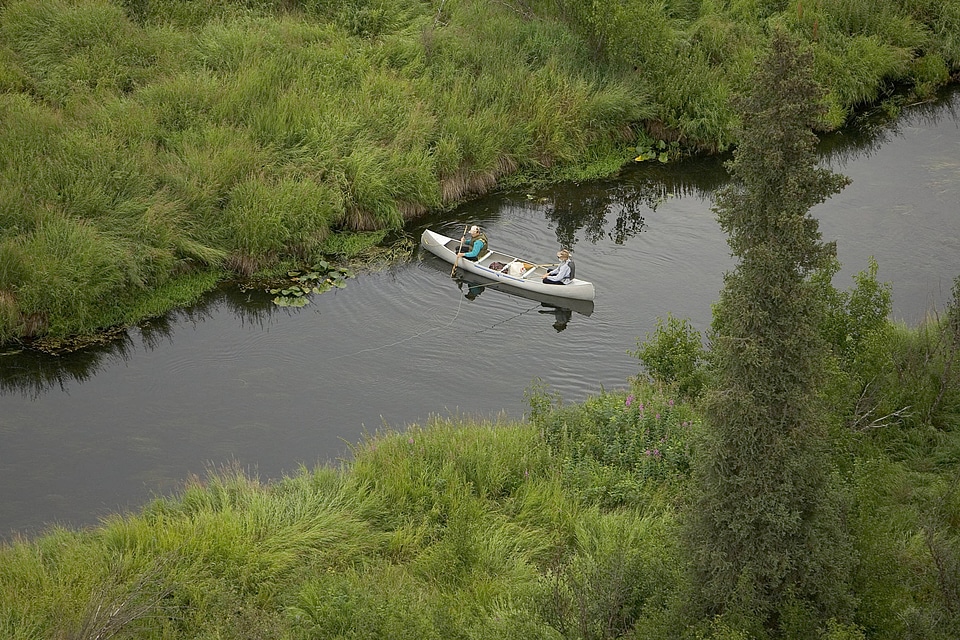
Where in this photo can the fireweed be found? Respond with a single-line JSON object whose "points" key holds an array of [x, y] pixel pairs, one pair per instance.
{"points": [[615, 443]]}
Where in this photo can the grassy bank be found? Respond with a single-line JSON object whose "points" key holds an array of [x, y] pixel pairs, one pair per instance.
{"points": [[565, 526], [568, 524], [150, 148]]}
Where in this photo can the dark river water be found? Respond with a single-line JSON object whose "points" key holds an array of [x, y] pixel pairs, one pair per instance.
{"points": [[236, 380]]}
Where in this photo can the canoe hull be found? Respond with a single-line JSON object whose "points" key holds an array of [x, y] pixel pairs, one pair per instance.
{"points": [[530, 279]]}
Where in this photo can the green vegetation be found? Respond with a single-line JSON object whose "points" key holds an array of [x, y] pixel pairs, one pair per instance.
{"points": [[317, 279], [674, 355], [567, 525], [765, 528], [149, 149], [799, 479]]}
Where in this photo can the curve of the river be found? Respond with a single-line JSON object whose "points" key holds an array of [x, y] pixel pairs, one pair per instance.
{"points": [[236, 380]]}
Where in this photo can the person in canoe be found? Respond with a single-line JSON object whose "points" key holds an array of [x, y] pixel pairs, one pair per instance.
{"points": [[472, 248], [564, 272]]}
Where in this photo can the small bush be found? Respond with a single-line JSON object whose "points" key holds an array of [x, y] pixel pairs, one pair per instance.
{"points": [[617, 448], [851, 318], [674, 356]]}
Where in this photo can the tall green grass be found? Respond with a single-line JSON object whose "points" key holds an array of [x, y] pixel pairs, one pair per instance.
{"points": [[566, 526], [71, 50], [247, 134], [236, 136], [456, 529]]}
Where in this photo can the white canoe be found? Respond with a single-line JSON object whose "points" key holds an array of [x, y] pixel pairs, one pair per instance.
{"points": [[522, 274]]}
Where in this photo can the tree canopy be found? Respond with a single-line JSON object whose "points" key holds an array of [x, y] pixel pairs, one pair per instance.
{"points": [[765, 525]]}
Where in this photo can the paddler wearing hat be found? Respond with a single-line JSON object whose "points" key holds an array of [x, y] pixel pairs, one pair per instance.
{"points": [[477, 243], [564, 272]]}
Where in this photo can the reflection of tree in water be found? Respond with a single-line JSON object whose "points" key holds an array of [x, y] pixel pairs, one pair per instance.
{"points": [[873, 129], [620, 209], [587, 209], [32, 372]]}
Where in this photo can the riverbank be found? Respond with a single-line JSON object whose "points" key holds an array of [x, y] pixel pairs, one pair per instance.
{"points": [[145, 396], [569, 524], [152, 150], [565, 526]]}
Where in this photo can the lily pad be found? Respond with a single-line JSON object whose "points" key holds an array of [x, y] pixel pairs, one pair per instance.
{"points": [[319, 278]]}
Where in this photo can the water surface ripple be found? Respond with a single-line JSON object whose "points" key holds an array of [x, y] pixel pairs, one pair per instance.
{"points": [[236, 379]]}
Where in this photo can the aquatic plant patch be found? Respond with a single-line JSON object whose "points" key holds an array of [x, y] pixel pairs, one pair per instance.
{"points": [[319, 278]]}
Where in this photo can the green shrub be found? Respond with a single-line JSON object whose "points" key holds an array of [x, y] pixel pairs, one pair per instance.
{"points": [[617, 448], [674, 356], [852, 317], [622, 565]]}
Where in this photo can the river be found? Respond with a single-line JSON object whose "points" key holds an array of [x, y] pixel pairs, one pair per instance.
{"points": [[236, 380]]}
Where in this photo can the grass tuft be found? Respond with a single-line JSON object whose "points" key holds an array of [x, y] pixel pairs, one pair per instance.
{"points": [[245, 135]]}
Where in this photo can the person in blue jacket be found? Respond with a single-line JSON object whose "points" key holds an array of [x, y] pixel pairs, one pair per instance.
{"points": [[564, 272], [477, 242]]}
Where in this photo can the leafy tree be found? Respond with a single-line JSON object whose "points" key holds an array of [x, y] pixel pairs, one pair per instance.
{"points": [[674, 355], [852, 317], [764, 530]]}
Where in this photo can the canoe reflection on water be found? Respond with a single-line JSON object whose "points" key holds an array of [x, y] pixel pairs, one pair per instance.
{"points": [[562, 309], [474, 286]]}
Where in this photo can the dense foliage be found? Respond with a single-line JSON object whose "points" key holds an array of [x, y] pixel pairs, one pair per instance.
{"points": [[147, 149], [765, 528], [568, 526], [147, 145], [674, 355]]}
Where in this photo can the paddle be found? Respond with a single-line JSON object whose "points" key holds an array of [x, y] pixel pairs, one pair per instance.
{"points": [[456, 260]]}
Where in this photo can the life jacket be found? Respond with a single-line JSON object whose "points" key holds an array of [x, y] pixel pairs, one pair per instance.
{"points": [[483, 238], [573, 268]]}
